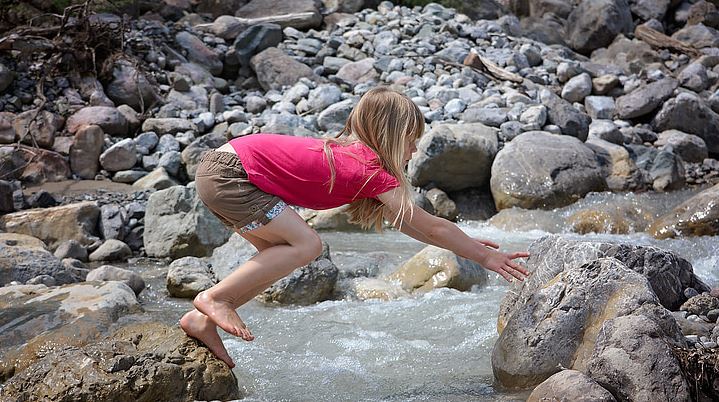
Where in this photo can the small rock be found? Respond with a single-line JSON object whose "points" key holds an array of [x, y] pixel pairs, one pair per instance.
{"points": [[121, 156], [111, 250], [71, 249], [106, 273]]}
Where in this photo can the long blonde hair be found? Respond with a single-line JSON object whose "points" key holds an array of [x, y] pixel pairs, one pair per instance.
{"points": [[383, 120]]}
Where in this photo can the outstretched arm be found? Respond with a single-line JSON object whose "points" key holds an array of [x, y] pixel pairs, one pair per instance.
{"points": [[445, 234]]}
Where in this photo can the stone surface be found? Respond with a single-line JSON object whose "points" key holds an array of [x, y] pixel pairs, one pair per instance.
{"points": [[107, 273], [542, 170], [688, 113], [71, 249], [177, 224], [24, 257], [562, 114], [274, 68], [645, 99], [358, 72], [307, 14], [86, 150], [192, 154], [37, 127], [189, 276], [54, 225], [131, 87], [620, 171], [313, 283], [255, 39], [690, 147], [594, 24], [198, 52], [434, 268], [329, 219], [454, 157], [169, 125], [570, 385], [120, 156], [158, 179], [110, 120], [111, 250], [697, 216], [142, 361]]}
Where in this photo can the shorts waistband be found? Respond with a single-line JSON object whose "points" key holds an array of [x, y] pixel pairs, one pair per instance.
{"points": [[225, 158]]}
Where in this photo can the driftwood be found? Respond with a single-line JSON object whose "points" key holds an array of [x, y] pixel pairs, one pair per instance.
{"points": [[481, 63], [238, 24], [659, 40]]}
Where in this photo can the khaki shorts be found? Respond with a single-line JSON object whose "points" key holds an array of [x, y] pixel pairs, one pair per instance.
{"points": [[224, 188]]}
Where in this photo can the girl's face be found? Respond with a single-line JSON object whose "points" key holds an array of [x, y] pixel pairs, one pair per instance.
{"points": [[410, 147]]}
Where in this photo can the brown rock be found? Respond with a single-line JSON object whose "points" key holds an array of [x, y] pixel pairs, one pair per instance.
{"points": [[40, 126], [697, 216], [108, 118], [7, 131], [275, 69], [41, 165], [85, 153]]}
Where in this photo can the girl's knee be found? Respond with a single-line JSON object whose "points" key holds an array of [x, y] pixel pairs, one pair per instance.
{"points": [[311, 247]]}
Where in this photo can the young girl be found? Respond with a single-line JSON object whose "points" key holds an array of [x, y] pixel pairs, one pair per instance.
{"points": [[248, 182]]}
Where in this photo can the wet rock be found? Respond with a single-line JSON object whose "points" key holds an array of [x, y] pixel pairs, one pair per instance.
{"points": [[169, 125], [192, 154], [256, 39], [158, 179], [86, 150], [561, 113], [110, 120], [198, 52], [315, 282], [131, 87], [329, 219], [668, 274], [690, 148], [71, 315], [142, 360], [177, 224], [25, 257], [594, 24], [570, 385], [120, 156], [434, 268], [667, 171], [688, 113], [697, 216], [535, 170], [619, 170], [305, 11], [189, 276], [444, 207], [71, 249], [700, 304], [37, 127], [528, 350], [454, 157], [645, 99], [373, 289], [107, 273], [616, 219], [54, 225], [274, 69]]}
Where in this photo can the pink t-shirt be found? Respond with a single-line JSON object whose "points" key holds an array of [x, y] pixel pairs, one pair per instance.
{"points": [[296, 170]]}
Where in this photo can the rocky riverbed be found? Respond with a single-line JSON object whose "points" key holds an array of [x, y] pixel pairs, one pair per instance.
{"points": [[597, 123]]}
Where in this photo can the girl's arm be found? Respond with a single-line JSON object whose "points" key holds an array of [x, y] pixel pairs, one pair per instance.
{"points": [[443, 233]]}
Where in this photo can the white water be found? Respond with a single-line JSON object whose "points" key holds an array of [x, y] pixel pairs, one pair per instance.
{"points": [[432, 347]]}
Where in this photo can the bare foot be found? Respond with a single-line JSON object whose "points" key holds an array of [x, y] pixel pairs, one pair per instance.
{"points": [[200, 327], [222, 314]]}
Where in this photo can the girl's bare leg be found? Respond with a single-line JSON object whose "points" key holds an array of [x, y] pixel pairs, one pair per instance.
{"points": [[295, 244]]}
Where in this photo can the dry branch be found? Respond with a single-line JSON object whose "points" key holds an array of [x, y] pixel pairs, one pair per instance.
{"points": [[659, 40]]}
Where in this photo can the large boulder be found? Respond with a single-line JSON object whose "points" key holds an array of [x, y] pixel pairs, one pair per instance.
{"points": [[57, 224], [542, 170], [304, 13], [454, 156], [559, 324], [37, 319], [189, 276], [645, 99], [275, 69], [255, 39], [687, 112], [178, 224], [570, 385], [23, 258], [143, 362], [697, 216], [315, 282], [668, 274], [594, 24], [130, 86], [41, 165], [107, 273], [85, 151], [192, 154], [227, 257], [434, 267], [198, 52], [690, 147], [37, 127], [108, 118], [620, 171]]}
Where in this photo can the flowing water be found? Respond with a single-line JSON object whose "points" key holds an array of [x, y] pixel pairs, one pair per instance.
{"points": [[436, 346]]}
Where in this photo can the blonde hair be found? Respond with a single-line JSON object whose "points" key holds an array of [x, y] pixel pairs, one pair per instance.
{"points": [[383, 120]]}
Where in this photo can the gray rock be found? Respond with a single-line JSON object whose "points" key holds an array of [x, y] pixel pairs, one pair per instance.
{"points": [[690, 148], [275, 69], [606, 130], [111, 250], [594, 24], [6, 197], [158, 179], [454, 107], [645, 99], [694, 77], [130, 86], [650, 9], [620, 171], [255, 104], [167, 143], [86, 150], [688, 113], [570, 385], [577, 88], [443, 206], [168, 125], [107, 273], [509, 130], [7, 131], [315, 282], [358, 72], [198, 52], [305, 12], [493, 117], [454, 157], [255, 39], [128, 176], [189, 276], [667, 171], [541, 170], [71, 249], [698, 36], [171, 162], [599, 107], [112, 222], [120, 156], [192, 153], [533, 118], [24, 257], [110, 120], [177, 224], [227, 257], [333, 118], [700, 304], [333, 64], [6, 77], [561, 113], [323, 96], [146, 142]]}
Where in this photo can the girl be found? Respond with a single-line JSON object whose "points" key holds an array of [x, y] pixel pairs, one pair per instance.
{"points": [[248, 182]]}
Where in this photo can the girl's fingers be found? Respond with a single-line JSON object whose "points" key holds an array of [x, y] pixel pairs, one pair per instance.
{"points": [[519, 254], [518, 267], [488, 243]]}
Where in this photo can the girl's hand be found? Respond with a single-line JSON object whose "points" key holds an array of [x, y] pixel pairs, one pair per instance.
{"points": [[504, 264], [487, 243]]}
